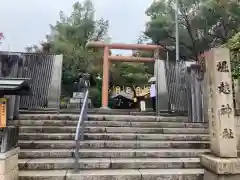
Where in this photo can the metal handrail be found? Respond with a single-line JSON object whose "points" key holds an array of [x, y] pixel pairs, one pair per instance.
{"points": [[80, 128]]}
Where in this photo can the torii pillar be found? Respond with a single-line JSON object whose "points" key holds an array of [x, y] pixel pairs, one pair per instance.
{"points": [[107, 59], [105, 79]]}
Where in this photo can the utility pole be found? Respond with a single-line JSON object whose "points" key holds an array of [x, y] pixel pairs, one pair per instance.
{"points": [[177, 30], [175, 105]]}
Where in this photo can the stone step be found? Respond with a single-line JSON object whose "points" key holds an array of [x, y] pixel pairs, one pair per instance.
{"points": [[103, 117], [108, 163], [110, 123], [102, 129], [99, 111], [123, 174], [115, 136], [115, 153], [68, 144]]}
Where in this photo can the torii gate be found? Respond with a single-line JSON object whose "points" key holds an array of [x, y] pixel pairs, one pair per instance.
{"points": [[107, 58]]}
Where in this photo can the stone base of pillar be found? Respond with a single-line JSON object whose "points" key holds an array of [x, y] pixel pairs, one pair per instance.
{"points": [[9, 165], [217, 168], [105, 108], [212, 176]]}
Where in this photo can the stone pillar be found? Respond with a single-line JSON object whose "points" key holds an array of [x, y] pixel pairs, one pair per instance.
{"points": [[196, 94], [9, 165], [54, 92], [162, 98], [222, 162]]}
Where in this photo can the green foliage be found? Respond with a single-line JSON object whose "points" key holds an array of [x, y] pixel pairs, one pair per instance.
{"points": [[234, 45], [95, 95], [69, 37], [202, 24], [129, 74]]}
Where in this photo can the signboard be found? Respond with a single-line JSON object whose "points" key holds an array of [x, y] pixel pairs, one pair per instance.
{"points": [[128, 90], [3, 112], [78, 95]]}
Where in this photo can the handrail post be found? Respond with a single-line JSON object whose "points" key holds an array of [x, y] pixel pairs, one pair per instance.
{"points": [[80, 128], [76, 154]]}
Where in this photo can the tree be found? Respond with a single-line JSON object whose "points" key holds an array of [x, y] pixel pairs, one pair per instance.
{"points": [[202, 24], [34, 49], [1, 37], [29, 49], [69, 37], [129, 74], [234, 45]]}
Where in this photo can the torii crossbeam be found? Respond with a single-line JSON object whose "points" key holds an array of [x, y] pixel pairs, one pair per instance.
{"points": [[107, 58]]}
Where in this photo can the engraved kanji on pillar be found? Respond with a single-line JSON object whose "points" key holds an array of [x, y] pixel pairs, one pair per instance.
{"points": [[220, 108]]}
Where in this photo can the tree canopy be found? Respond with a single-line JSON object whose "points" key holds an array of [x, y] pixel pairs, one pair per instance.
{"points": [[130, 74], [234, 45], [1, 37], [202, 24], [69, 37]]}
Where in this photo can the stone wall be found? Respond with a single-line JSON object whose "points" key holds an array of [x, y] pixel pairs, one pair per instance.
{"points": [[9, 165]]}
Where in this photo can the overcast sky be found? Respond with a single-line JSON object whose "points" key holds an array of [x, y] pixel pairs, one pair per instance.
{"points": [[26, 22]]}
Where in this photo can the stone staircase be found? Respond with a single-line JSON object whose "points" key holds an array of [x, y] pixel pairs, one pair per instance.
{"points": [[116, 147]]}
